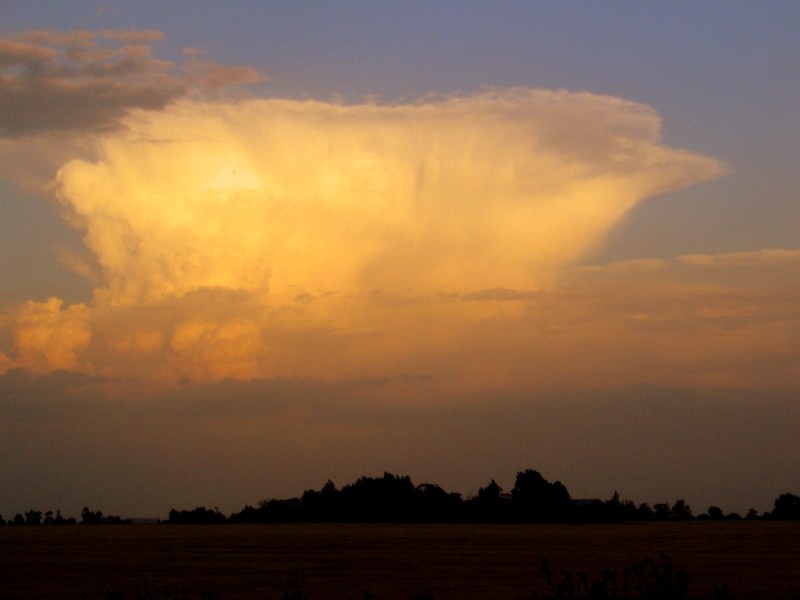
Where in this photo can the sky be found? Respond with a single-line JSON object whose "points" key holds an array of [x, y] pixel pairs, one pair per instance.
{"points": [[247, 250]]}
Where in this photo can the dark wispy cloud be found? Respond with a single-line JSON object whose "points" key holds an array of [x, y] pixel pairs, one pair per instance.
{"points": [[63, 81]]}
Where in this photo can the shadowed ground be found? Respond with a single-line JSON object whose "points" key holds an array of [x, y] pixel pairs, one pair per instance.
{"points": [[754, 559]]}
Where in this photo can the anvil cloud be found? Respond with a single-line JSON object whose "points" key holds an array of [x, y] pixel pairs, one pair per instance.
{"points": [[265, 238]]}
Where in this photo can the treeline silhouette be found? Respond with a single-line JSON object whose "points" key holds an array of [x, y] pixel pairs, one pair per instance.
{"points": [[395, 499], [88, 517]]}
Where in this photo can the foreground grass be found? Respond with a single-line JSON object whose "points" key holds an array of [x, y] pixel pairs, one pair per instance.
{"points": [[392, 562], [647, 579]]}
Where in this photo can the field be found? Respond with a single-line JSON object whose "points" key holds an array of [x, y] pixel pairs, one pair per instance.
{"points": [[754, 559]]}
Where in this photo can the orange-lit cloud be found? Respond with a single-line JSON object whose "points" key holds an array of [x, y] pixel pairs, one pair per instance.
{"points": [[48, 336], [433, 240], [462, 194]]}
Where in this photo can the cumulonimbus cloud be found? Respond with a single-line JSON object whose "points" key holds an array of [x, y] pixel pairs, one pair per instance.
{"points": [[278, 237], [493, 190]]}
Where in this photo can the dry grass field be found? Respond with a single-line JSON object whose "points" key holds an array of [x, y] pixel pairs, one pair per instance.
{"points": [[754, 559]]}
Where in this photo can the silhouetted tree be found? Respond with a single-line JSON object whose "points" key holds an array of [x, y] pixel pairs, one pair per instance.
{"points": [[33, 517], [490, 505], [645, 512], [248, 514], [536, 499], [280, 511], [19, 519], [329, 490], [89, 517], [433, 504], [199, 516], [662, 510], [787, 506], [491, 493], [57, 519], [629, 511], [714, 513], [116, 520], [613, 508], [323, 505], [270, 511], [681, 510], [387, 498]]}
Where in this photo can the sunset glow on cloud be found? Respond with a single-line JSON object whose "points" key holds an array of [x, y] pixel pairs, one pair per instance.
{"points": [[266, 238], [443, 246]]}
